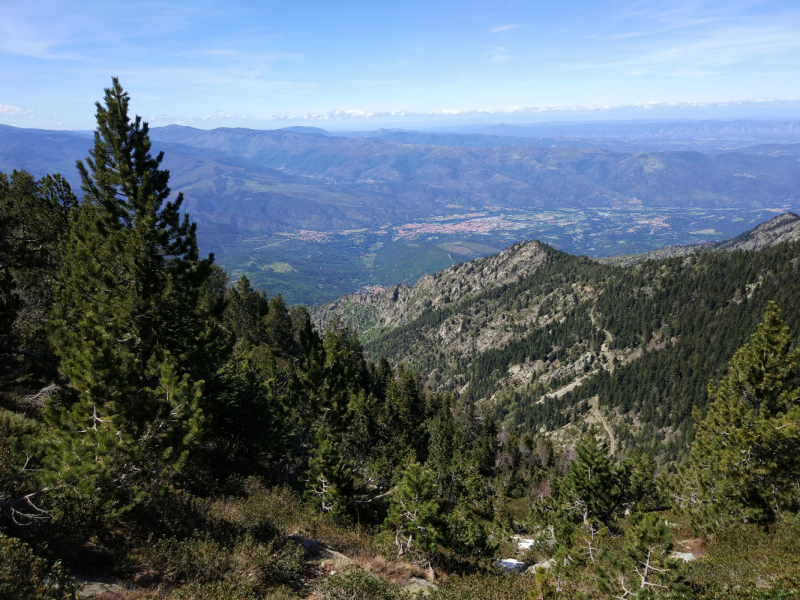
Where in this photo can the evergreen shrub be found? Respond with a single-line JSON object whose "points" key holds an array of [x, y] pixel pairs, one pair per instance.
{"points": [[25, 575]]}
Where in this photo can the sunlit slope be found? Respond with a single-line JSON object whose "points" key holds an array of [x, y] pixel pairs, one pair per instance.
{"points": [[540, 333]]}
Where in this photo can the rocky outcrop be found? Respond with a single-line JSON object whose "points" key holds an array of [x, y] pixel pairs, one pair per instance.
{"points": [[526, 326], [783, 228], [400, 304]]}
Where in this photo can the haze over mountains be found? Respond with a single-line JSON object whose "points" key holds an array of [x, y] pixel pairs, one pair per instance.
{"points": [[268, 202], [547, 166], [701, 135]]}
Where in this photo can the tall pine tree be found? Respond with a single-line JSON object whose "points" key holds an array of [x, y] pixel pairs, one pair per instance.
{"points": [[133, 343], [745, 462]]}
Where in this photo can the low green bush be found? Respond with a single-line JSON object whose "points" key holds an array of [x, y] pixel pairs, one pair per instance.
{"points": [[357, 584], [750, 561], [25, 575], [224, 591], [203, 560]]}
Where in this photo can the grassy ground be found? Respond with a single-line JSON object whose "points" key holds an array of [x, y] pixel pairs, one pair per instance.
{"points": [[744, 562]]}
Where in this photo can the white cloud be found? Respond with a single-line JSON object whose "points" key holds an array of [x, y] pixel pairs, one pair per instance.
{"points": [[717, 51], [219, 116], [504, 28], [530, 110], [9, 109]]}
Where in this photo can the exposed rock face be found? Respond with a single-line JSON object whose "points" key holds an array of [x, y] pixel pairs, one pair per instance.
{"points": [[530, 325], [783, 228], [400, 304], [100, 586], [416, 585]]}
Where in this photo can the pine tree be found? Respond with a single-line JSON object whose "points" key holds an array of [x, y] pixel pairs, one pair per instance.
{"points": [[745, 462], [644, 566], [639, 488], [440, 448], [591, 488], [245, 312], [344, 373], [464, 533], [486, 446], [33, 218], [278, 327], [133, 344], [329, 483], [414, 512], [403, 415]]}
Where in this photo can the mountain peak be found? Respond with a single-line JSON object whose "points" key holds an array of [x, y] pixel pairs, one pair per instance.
{"points": [[782, 228]]}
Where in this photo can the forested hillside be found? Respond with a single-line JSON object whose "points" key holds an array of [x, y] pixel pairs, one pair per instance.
{"points": [[182, 436], [536, 334]]}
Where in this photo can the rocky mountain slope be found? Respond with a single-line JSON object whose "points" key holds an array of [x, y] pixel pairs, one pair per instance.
{"points": [[551, 340], [783, 228]]}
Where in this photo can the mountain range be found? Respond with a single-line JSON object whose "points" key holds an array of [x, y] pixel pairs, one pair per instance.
{"points": [[291, 180], [389, 206]]}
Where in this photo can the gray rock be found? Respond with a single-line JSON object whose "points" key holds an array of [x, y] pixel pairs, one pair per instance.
{"points": [[684, 556], [96, 586], [545, 564], [417, 585]]}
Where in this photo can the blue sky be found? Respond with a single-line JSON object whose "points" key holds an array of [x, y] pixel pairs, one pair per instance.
{"points": [[359, 64]]}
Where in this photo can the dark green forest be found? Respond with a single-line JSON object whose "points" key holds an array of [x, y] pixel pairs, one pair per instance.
{"points": [[193, 438], [685, 315]]}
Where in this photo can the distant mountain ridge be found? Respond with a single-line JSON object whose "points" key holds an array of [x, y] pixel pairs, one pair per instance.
{"points": [[513, 176], [259, 179], [375, 211]]}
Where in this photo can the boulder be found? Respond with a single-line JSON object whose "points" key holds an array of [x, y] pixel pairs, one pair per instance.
{"points": [[545, 564], [417, 585]]}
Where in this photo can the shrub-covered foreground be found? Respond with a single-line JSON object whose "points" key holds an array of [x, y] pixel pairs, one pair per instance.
{"points": [[744, 562]]}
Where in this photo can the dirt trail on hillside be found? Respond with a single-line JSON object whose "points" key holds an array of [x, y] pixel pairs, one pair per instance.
{"points": [[595, 403]]}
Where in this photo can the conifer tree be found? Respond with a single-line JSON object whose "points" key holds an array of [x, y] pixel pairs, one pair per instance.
{"points": [[344, 373], [639, 487], [745, 462], [414, 512], [361, 440], [329, 481], [440, 449], [591, 488], [485, 449], [133, 344], [278, 327], [403, 415], [464, 532], [33, 218], [644, 566], [245, 312]]}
